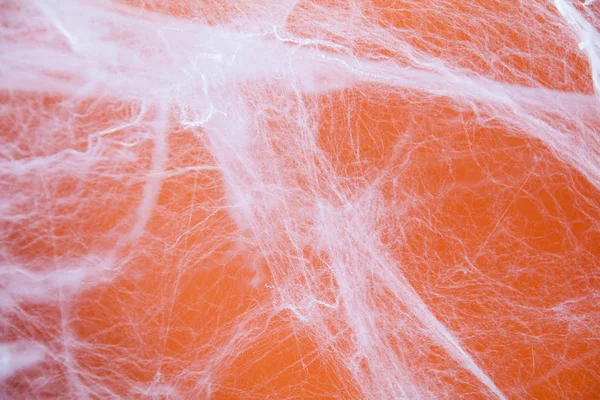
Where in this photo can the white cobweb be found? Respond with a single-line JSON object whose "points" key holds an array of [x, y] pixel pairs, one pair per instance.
{"points": [[299, 199]]}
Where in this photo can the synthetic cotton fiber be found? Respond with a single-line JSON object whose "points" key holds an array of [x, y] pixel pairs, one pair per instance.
{"points": [[305, 199]]}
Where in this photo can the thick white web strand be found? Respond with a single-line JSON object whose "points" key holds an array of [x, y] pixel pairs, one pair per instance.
{"points": [[128, 57], [226, 83]]}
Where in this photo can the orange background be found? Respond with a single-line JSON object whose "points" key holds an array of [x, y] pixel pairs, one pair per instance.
{"points": [[495, 234]]}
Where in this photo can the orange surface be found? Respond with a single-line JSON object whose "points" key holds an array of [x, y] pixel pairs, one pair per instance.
{"points": [[417, 219]]}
